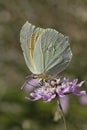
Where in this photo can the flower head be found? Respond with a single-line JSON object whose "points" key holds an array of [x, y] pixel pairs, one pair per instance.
{"points": [[50, 89]]}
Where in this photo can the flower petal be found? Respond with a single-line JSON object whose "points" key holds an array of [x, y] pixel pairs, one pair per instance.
{"points": [[83, 100], [79, 93], [30, 84]]}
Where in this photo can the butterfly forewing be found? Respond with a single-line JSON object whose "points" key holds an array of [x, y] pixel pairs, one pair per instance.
{"points": [[38, 57], [28, 37], [25, 37]]}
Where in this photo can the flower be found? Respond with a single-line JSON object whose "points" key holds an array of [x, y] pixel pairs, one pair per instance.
{"points": [[64, 101], [31, 83], [68, 87], [47, 90], [83, 100]]}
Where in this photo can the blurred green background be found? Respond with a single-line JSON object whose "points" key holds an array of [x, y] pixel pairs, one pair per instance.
{"points": [[68, 17]]}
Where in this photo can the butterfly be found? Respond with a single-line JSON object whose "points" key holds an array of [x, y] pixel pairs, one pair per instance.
{"points": [[46, 51]]}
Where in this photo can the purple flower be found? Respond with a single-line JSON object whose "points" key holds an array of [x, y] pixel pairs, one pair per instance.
{"points": [[83, 100], [50, 89], [68, 87], [31, 83], [65, 103]]}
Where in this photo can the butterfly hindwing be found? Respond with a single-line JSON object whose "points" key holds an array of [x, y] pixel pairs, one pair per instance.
{"points": [[54, 51]]}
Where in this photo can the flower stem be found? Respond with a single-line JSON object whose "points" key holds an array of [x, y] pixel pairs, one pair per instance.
{"points": [[62, 113]]}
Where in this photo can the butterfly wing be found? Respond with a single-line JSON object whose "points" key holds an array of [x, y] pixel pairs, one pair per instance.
{"points": [[25, 36], [28, 37], [52, 52], [44, 49]]}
